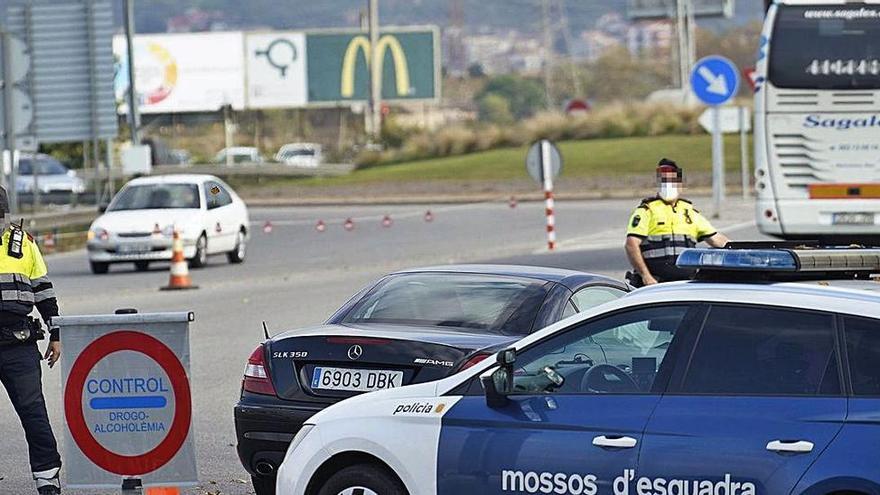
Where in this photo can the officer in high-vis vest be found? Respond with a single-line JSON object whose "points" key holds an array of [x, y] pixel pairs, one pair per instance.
{"points": [[662, 227], [24, 284]]}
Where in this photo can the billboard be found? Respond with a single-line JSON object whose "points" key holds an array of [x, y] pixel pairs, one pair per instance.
{"points": [[338, 66], [662, 9], [197, 72], [276, 69]]}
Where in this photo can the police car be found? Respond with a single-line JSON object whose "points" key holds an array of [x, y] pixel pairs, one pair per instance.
{"points": [[725, 385]]}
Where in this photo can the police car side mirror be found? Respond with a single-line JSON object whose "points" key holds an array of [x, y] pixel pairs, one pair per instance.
{"points": [[506, 357]]}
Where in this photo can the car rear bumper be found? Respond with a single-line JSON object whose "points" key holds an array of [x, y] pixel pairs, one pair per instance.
{"points": [[107, 253], [264, 433]]}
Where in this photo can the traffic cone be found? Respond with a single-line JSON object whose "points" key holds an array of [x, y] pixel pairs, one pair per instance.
{"points": [[348, 225], [179, 279], [429, 217], [320, 226], [512, 202], [267, 227], [49, 242], [386, 221]]}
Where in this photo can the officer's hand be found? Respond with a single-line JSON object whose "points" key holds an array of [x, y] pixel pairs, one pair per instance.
{"points": [[53, 353], [649, 280]]}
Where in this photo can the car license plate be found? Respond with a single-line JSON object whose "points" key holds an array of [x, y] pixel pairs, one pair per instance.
{"points": [[355, 380], [853, 219], [132, 248]]}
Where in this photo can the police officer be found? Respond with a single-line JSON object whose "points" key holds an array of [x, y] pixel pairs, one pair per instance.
{"points": [[662, 227], [23, 285]]}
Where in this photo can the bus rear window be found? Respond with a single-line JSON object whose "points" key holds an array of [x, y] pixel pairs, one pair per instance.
{"points": [[826, 47]]}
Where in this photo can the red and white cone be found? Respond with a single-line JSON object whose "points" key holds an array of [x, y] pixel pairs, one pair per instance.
{"points": [[267, 227], [386, 221], [429, 217], [348, 225], [179, 278], [320, 226], [512, 202]]}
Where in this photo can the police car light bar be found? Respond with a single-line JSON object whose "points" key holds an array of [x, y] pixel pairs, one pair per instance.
{"points": [[842, 259]]}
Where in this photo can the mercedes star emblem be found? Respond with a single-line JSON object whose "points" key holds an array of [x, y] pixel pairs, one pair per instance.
{"points": [[355, 352]]}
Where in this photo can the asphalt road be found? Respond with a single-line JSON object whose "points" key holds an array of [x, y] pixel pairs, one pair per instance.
{"points": [[296, 276]]}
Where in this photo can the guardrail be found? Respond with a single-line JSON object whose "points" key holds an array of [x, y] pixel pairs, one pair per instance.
{"points": [[237, 170]]}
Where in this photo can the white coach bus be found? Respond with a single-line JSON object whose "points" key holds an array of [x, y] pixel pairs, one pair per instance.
{"points": [[817, 121]]}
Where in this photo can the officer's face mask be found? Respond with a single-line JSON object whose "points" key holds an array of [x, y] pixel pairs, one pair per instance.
{"points": [[670, 191]]}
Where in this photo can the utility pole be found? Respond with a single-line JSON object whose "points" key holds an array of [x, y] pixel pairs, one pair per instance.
{"points": [[548, 51], [375, 66], [134, 118]]}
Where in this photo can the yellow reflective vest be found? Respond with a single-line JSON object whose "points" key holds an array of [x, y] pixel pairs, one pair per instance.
{"points": [[24, 281], [667, 229]]}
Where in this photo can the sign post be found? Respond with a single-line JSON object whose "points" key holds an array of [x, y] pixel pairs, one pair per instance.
{"points": [[544, 163], [127, 400], [715, 80]]}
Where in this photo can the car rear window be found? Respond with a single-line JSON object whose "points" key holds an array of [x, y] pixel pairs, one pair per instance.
{"points": [[764, 351], [156, 196], [465, 302], [863, 347]]}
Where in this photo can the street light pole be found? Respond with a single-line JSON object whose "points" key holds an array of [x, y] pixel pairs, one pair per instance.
{"points": [[375, 67], [134, 118]]}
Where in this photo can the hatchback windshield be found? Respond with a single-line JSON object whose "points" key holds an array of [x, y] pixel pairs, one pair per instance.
{"points": [[466, 302], [156, 196]]}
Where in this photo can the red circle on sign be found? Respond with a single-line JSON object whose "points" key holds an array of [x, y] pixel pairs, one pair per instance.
{"points": [[127, 340]]}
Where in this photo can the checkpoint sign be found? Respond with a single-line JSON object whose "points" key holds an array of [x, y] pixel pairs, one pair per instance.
{"points": [[715, 80], [127, 400]]}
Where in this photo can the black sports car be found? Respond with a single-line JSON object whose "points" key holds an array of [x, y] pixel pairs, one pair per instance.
{"points": [[409, 327]]}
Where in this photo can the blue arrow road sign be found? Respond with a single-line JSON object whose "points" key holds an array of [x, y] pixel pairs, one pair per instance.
{"points": [[715, 80]]}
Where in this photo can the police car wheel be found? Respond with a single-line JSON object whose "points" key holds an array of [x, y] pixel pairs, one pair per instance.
{"points": [[363, 479]]}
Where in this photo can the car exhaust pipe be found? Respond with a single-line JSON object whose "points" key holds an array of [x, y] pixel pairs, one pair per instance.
{"points": [[264, 468]]}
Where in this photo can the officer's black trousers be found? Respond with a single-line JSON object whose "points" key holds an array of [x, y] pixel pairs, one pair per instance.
{"points": [[20, 374]]}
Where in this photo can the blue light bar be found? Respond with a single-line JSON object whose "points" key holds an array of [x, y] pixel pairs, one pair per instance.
{"points": [[738, 259]]}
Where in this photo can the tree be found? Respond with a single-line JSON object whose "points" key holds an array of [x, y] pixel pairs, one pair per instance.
{"points": [[496, 109], [524, 96]]}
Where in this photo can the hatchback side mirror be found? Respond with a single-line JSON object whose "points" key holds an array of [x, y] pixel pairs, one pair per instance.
{"points": [[102, 208]]}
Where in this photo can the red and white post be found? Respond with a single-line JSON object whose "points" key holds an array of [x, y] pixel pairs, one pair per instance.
{"points": [[549, 205]]}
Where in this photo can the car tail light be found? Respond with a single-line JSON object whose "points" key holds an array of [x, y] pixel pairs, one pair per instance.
{"points": [[256, 374], [474, 360]]}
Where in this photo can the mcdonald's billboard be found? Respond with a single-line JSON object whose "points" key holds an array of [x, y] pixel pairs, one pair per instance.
{"points": [[338, 66]]}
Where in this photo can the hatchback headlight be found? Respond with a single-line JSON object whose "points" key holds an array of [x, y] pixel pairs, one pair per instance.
{"points": [[98, 233]]}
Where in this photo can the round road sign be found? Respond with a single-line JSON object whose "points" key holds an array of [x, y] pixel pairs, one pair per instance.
{"points": [[536, 155], [176, 434]]}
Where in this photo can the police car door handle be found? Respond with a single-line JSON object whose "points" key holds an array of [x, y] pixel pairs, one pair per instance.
{"points": [[617, 442], [794, 447]]}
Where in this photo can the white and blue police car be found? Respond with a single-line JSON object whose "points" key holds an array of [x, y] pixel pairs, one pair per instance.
{"points": [[732, 384]]}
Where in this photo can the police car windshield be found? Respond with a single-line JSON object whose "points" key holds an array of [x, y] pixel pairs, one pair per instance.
{"points": [[470, 303], [157, 196]]}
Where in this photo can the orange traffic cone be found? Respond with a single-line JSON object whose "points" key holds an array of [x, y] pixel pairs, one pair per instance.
{"points": [[179, 279]]}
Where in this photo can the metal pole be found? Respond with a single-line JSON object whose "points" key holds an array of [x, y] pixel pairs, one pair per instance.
{"points": [[744, 152], [691, 33], [680, 19], [375, 73], [547, 175], [547, 51], [35, 170], [9, 124], [227, 128], [109, 160], [134, 117], [717, 162]]}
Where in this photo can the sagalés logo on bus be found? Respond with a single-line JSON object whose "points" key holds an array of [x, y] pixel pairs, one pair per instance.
{"points": [[385, 43]]}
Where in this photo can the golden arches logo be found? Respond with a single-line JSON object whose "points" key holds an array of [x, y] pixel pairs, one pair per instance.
{"points": [[362, 44]]}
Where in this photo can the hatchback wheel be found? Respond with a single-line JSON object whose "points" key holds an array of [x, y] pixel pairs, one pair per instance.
{"points": [[200, 259], [363, 479], [238, 254]]}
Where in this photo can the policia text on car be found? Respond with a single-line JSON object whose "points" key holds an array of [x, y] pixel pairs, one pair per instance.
{"points": [[24, 284], [662, 227]]}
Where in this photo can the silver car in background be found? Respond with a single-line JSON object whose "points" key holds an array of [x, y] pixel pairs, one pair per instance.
{"points": [[53, 176]]}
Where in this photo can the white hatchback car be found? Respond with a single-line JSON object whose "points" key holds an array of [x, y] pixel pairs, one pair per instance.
{"points": [[139, 223]]}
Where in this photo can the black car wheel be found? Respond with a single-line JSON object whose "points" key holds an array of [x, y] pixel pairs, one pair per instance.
{"points": [[363, 479], [263, 485], [99, 268], [238, 254], [201, 257]]}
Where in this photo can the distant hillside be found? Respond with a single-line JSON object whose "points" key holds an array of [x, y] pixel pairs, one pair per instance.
{"points": [[523, 15]]}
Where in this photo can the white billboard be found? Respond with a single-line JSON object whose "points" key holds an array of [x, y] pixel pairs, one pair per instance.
{"points": [[276, 69], [197, 72], [662, 9]]}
